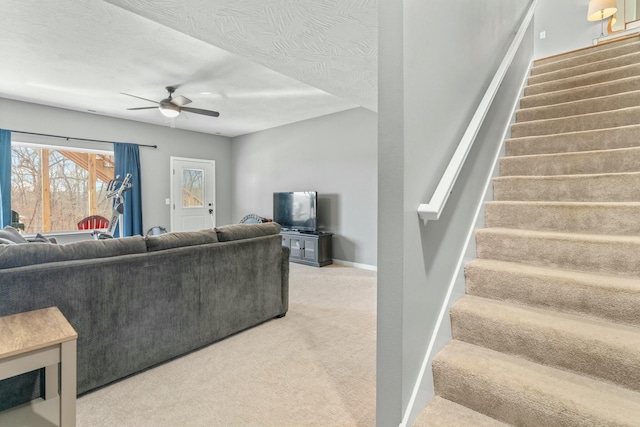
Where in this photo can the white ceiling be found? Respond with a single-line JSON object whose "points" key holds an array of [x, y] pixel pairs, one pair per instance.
{"points": [[260, 63]]}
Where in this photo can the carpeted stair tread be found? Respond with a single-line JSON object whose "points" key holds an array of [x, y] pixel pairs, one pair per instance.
{"points": [[590, 67], [548, 333], [599, 139], [613, 62], [614, 255], [581, 344], [445, 413], [519, 392], [609, 187], [584, 80], [583, 106], [564, 60], [600, 120], [585, 92], [584, 162], [616, 218], [613, 298]]}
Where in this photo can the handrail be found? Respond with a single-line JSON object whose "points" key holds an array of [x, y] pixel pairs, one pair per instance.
{"points": [[433, 209]]}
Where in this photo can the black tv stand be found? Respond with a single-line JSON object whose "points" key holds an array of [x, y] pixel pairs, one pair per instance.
{"points": [[308, 247]]}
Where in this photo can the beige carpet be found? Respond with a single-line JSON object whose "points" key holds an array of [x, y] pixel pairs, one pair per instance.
{"points": [[316, 366], [549, 331]]}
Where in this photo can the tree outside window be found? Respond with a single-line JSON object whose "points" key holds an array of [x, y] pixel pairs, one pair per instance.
{"points": [[53, 189]]}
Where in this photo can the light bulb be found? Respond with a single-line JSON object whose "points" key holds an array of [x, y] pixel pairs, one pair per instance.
{"points": [[168, 112]]}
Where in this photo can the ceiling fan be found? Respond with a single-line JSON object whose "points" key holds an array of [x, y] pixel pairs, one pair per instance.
{"points": [[171, 107]]}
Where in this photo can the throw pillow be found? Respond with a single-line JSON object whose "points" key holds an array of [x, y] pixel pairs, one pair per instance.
{"points": [[6, 242], [39, 238], [12, 234]]}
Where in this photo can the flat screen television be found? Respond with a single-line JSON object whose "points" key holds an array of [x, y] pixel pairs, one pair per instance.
{"points": [[296, 211]]}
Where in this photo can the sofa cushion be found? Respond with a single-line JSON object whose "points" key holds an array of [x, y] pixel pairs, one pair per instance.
{"points": [[7, 242], [12, 234], [228, 233], [22, 255], [180, 239]]}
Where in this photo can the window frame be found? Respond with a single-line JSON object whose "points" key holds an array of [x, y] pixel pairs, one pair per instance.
{"points": [[40, 143]]}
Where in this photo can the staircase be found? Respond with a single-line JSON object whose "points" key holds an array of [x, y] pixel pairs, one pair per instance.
{"points": [[548, 333]]}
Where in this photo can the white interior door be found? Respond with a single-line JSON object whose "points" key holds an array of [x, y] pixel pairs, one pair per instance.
{"points": [[193, 201]]}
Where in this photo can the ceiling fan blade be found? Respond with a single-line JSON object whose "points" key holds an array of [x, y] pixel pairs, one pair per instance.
{"points": [[200, 111], [139, 97], [181, 100], [143, 108]]}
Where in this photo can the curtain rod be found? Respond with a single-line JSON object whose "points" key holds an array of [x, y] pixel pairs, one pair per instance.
{"points": [[77, 139]]}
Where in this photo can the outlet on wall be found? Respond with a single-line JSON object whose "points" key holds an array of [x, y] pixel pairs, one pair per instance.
{"points": [[543, 35]]}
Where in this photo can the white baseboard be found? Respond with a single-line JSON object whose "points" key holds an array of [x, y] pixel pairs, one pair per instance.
{"points": [[355, 265]]}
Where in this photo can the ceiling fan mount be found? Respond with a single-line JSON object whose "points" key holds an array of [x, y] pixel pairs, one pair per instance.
{"points": [[172, 107]]}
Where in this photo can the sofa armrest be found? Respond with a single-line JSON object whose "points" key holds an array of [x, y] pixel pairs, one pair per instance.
{"points": [[285, 279]]}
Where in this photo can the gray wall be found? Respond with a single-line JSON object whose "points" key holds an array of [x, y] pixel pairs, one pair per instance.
{"points": [[431, 80], [335, 155], [29, 117], [565, 22]]}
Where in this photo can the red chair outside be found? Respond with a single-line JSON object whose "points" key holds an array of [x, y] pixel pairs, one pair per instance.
{"points": [[93, 222]]}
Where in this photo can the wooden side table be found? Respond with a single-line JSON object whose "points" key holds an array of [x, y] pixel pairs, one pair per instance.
{"points": [[42, 339]]}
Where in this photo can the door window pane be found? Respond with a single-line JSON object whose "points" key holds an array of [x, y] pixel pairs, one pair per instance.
{"points": [[192, 188]]}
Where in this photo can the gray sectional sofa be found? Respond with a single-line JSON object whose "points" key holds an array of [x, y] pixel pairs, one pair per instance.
{"points": [[137, 302]]}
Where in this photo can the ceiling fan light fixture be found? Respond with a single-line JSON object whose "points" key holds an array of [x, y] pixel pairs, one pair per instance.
{"points": [[168, 111], [172, 107]]}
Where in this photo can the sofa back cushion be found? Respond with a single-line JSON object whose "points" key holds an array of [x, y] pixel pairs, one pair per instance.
{"points": [[39, 253], [228, 233], [180, 239]]}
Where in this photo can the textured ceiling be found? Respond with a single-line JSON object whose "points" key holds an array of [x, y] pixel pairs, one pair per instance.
{"points": [[328, 44], [260, 64]]}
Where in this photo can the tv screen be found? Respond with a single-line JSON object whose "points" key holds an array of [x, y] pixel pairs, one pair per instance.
{"points": [[296, 210]]}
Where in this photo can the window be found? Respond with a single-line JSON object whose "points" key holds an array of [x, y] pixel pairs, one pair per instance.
{"points": [[192, 188], [53, 188]]}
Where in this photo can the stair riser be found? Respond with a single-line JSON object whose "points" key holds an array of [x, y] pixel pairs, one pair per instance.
{"points": [[608, 119], [600, 139], [584, 80], [549, 345], [444, 413], [457, 384], [565, 294], [594, 91], [450, 383], [569, 218], [477, 389], [592, 162], [599, 256], [585, 56], [591, 67], [590, 188], [594, 105]]}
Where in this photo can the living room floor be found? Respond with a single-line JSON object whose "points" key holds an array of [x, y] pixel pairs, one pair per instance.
{"points": [[316, 366]]}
